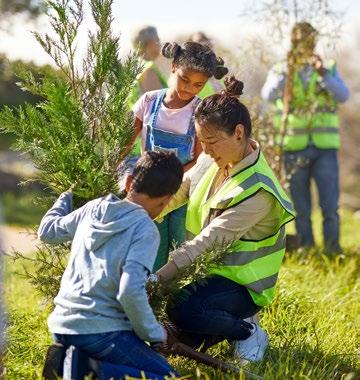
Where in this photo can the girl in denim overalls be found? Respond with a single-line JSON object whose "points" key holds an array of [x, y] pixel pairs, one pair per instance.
{"points": [[164, 121]]}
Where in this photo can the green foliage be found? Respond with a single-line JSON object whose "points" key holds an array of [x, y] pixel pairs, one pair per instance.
{"points": [[10, 93], [82, 126], [160, 292], [22, 209], [50, 263], [80, 130], [312, 322]]}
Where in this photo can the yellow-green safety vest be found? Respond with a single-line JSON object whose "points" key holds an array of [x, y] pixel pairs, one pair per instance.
{"points": [[136, 93], [252, 263], [209, 89], [312, 116]]}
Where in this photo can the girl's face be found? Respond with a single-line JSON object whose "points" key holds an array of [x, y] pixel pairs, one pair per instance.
{"points": [[188, 82], [224, 149]]}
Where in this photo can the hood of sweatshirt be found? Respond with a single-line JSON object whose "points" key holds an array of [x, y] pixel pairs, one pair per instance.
{"points": [[109, 216]]}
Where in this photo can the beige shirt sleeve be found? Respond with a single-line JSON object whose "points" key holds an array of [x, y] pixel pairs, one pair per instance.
{"points": [[243, 220]]}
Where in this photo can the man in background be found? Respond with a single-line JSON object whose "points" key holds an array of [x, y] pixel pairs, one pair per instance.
{"points": [[306, 96]]}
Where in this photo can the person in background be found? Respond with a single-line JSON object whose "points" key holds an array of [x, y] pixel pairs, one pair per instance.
{"points": [[309, 97], [147, 43], [213, 85]]}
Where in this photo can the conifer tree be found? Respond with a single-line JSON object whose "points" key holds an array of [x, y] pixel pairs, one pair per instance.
{"points": [[78, 133]]}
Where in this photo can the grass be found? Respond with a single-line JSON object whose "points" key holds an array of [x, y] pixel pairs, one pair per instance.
{"points": [[313, 323], [15, 209]]}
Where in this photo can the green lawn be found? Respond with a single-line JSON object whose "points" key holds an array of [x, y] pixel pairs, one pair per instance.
{"points": [[313, 324]]}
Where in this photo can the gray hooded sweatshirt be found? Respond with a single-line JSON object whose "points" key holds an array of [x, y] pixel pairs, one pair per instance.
{"points": [[114, 245]]}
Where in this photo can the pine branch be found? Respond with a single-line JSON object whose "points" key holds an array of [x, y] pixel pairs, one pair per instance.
{"points": [[160, 293], [83, 125]]}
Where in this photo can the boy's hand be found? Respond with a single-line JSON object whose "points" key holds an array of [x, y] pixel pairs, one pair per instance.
{"points": [[74, 186], [165, 347]]}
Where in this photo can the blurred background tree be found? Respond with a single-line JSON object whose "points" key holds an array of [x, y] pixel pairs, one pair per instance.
{"points": [[33, 8]]}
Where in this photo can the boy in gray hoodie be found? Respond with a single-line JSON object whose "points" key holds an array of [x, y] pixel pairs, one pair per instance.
{"points": [[102, 306]]}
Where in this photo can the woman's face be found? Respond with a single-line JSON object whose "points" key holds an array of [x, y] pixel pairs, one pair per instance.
{"points": [[187, 82], [224, 149]]}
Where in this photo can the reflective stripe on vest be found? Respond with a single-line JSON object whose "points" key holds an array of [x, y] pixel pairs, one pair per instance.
{"points": [[312, 118], [254, 264]]}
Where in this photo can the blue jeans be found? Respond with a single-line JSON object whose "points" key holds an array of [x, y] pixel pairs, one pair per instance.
{"points": [[118, 351], [213, 307], [322, 166], [172, 231]]}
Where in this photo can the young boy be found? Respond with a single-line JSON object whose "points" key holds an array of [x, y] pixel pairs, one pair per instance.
{"points": [[102, 306]]}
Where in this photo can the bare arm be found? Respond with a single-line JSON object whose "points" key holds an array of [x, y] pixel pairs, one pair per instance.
{"points": [[198, 151]]}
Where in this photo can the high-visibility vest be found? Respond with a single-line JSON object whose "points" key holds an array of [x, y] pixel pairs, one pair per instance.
{"points": [[312, 116], [209, 89], [136, 93], [252, 263]]}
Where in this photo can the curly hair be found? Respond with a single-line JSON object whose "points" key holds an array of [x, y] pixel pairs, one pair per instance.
{"points": [[195, 56], [157, 173]]}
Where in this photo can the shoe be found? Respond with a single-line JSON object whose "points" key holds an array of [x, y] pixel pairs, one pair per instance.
{"points": [[253, 348], [54, 362], [78, 365]]}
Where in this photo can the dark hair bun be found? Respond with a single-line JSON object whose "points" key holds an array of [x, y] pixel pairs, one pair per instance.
{"points": [[170, 50], [233, 87], [220, 72]]}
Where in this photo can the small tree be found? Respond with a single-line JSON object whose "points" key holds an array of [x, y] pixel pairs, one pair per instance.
{"points": [[80, 131]]}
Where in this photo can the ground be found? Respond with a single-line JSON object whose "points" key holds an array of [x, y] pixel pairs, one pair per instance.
{"points": [[313, 322]]}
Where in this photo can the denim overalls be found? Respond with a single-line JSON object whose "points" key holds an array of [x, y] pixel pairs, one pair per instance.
{"points": [[157, 139], [172, 228]]}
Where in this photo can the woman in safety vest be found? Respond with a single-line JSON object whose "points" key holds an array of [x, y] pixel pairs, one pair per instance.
{"points": [[233, 198]]}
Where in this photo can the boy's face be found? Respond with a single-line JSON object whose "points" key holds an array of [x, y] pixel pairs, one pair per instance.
{"points": [[152, 205]]}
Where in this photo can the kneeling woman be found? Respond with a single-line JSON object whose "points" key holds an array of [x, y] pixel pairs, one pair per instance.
{"points": [[233, 196]]}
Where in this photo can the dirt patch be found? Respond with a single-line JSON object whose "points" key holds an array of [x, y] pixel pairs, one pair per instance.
{"points": [[17, 239]]}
